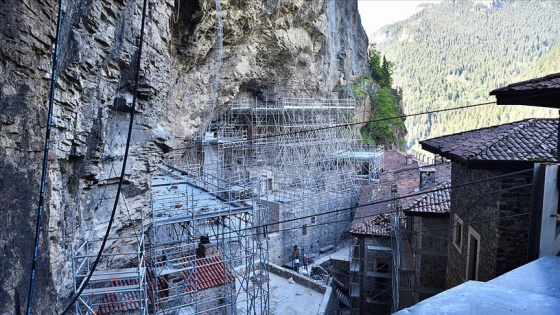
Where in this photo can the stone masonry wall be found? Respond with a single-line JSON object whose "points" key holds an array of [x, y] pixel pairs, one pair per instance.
{"points": [[470, 205], [503, 242], [432, 267], [514, 231]]}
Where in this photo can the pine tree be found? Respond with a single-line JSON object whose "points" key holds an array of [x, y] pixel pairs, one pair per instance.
{"points": [[386, 73]]}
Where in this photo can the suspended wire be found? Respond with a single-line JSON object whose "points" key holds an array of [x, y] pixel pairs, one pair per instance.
{"points": [[54, 74], [380, 202], [309, 226], [121, 178], [389, 212], [432, 191], [176, 16], [193, 146], [478, 222], [410, 195], [344, 125], [126, 207], [466, 211]]}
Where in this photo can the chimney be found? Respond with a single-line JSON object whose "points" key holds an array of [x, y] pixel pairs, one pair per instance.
{"points": [[409, 159], [394, 194], [206, 248], [427, 177]]}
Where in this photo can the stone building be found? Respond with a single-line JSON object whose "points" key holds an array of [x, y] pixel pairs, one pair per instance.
{"points": [[424, 244], [206, 287], [492, 170], [382, 246]]}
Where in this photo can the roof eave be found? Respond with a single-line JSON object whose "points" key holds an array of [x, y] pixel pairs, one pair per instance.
{"points": [[501, 165], [440, 152], [530, 97], [426, 214]]}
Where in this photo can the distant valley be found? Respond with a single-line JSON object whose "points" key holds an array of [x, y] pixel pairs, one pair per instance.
{"points": [[454, 53]]}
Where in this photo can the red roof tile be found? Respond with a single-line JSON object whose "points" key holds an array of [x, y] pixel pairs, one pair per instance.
{"points": [[120, 302], [208, 273]]}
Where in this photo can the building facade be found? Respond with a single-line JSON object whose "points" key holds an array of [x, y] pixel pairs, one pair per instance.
{"points": [[491, 196]]}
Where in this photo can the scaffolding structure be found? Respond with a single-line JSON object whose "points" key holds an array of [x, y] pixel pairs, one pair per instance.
{"points": [[111, 289], [207, 245], [256, 166], [370, 276], [311, 161]]}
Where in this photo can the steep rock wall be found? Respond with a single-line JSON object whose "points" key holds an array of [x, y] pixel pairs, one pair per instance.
{"points": [[190, 69]]}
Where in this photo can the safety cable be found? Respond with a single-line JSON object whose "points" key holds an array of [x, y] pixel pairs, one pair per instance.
{"points": [[45, 159], [345, 125], [386, 201], [402, 233], [193, 146], [121, 179]]}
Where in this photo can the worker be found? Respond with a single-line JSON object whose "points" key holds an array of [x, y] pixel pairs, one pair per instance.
{"points": [[305, 262], [295, 255], [297, 263]]}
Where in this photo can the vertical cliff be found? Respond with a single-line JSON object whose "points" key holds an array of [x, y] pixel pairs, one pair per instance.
{"points": [[195, 60]]}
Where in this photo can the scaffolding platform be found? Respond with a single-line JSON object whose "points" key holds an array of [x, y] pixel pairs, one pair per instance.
{"points": [[202, 241], [297, 158], [113, 275], [110, 289]]}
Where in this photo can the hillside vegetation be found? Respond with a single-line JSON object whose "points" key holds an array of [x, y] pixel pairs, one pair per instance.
{"points": [[454, 53], [385, 103]]}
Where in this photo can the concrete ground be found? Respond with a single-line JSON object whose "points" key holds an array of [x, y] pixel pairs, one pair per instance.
{"points": [[287, 298], [342, 253], [292, 298]]}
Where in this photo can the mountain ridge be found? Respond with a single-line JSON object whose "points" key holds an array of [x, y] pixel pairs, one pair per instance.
{"points": [[455, 52]]}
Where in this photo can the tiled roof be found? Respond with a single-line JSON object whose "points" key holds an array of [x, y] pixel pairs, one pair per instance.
{"points": [[209, 273], [541, 92], [372, 217], [436, 201], [532, 140], [551, 81], [379, 225], [120, 302]]}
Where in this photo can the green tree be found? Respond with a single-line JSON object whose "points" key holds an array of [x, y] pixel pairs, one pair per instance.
{"points": [[375, 70], [454, 53], [383, 128], [386, 73]]}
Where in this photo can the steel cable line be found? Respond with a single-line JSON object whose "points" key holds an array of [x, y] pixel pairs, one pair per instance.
{"points": [[121, 178], [388, 212], [540, 143], [412, 195], [54, 74], [346, 125], [382, 201], [369, 121], [451, 187]]}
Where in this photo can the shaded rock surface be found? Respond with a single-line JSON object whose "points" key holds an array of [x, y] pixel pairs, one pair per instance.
{"points": [[190, 70]]}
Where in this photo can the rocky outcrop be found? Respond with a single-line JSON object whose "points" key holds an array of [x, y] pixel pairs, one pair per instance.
{"points": [[191, 68]]}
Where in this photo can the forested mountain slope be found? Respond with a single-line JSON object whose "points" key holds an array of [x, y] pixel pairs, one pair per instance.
{"points": [[454, 53]]}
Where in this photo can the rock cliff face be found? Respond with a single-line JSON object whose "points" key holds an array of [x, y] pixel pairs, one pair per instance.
{"points": [[198, 55]]}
